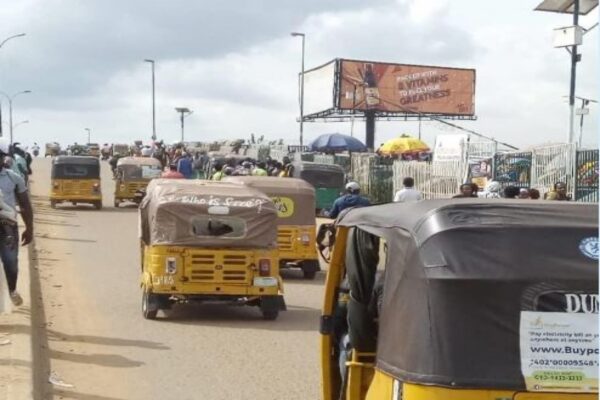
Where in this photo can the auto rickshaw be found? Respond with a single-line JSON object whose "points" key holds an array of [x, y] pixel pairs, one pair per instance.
{"points": [[473, 300], [120, 149], [76, 179], [93, 149], [52, 150], [295, 202], [132, 175], [327, 179], [209, 241]]}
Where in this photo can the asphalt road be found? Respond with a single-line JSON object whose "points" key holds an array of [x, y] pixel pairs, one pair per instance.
{"points": [[91, 333]]}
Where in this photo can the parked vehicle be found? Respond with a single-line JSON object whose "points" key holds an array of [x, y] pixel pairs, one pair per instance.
{"points": [[462, 299]]}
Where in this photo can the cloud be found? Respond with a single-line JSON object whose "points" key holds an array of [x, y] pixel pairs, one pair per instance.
{"points": [[236, 66]]}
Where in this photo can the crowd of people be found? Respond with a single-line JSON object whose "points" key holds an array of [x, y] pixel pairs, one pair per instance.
{"points": [[493, 190]]}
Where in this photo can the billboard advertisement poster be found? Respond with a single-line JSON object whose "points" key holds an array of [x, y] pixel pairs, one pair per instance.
{"points": [[401, 88], [450, 147], [559, 351], [318, 88]]}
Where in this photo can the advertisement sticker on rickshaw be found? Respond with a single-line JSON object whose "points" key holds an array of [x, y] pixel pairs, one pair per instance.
{"points": [[284, 205], [559, 345], [151, 172], [589, 247]]}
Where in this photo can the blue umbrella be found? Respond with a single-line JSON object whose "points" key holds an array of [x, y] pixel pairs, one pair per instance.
{"points": [[331, 142]]}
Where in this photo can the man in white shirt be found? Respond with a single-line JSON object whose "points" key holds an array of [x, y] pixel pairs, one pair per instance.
{"points": [[409, 193]]}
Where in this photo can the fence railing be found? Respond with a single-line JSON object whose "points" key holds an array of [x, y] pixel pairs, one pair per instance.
{"points": [[513, 169], [586, 176], [553, 164], [380, 177], [435, 180]]}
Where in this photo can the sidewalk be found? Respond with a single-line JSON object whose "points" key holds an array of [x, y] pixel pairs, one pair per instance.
{"points": [[16, 357]]}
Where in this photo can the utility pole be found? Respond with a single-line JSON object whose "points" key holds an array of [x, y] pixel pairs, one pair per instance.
{"points": [[153, 101], [184, 112], [303, 36]]}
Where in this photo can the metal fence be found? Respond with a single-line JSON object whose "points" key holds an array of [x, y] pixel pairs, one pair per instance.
{"points": [[375, 175], [551, 164], [586, 176], [435, 180], [513, 169]]}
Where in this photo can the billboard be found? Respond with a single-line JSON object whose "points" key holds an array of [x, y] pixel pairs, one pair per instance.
{"points": [[319, 86], [450, 147], [401, 88]]}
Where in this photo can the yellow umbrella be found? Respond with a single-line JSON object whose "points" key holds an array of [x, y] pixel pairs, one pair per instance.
{"points": [[402, 145]]}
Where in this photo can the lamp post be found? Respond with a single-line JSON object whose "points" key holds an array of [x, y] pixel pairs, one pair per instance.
{"points": [[582, 112], [2, 44], [89, 132], [184, 112], [11, 37], [303, 36], [153, 101], [570, 40], [10, 108]]}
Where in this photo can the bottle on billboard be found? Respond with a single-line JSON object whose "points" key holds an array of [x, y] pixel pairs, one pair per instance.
{"points": [[370, 82]]}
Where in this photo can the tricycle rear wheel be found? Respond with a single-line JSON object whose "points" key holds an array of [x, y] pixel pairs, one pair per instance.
{"points": [[310, 268], [149, 305], [269, 307]]}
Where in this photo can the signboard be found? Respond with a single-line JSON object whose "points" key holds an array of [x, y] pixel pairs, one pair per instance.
{"points": [[401, 88], [559, 350], [450, 147], [318, 88], [284, 205]]}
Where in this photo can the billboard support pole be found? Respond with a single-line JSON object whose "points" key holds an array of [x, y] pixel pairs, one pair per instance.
{"points": [[370, 130]]}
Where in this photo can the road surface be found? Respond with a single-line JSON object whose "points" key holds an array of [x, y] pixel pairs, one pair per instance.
{"points": [[91, 333]]}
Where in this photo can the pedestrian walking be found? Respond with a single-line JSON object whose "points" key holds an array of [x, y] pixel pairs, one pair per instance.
{"points": [[523, 193], [352, 198], [492, 190], [15, 192], [559, 193], [185, 167], [219, 174], [534, 194], [260, 169], [408, 194], [511, 192], [466, 191], [172, 173]]}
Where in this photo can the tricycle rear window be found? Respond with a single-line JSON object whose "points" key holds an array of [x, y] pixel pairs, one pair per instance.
{"points": [[323, 179], [218, 226], [72, 171]]}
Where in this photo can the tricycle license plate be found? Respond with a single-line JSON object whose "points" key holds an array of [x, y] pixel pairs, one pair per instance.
{"points": [[265, 281]]}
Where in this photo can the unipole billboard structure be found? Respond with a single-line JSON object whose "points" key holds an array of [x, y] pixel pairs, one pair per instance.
{"points": [[344, 89]]}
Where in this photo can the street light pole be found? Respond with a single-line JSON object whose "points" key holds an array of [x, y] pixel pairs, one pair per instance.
{"points": [[89, 135], [2, 44], [303, 36], [10, 108], [153, 101], [184, 111], [11, 37], [574, 60]]}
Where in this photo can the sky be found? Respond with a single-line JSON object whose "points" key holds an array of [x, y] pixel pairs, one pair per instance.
{"points": [[235, 65]]}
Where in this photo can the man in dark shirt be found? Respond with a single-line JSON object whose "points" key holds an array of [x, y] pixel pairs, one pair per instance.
{"points": [[351, 199]]}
